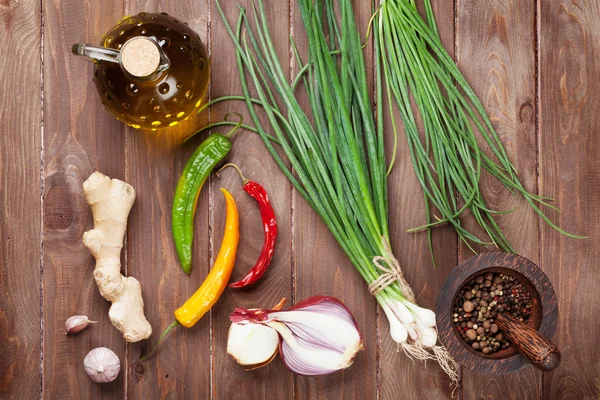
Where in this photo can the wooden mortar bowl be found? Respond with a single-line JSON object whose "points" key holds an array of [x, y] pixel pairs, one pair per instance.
{"points": [[544, 314]]}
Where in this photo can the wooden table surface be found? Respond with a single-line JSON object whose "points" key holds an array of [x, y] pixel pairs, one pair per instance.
{"points": [[535, 67]]}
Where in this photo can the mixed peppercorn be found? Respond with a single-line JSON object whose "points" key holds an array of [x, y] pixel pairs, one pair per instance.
{"points": [[478, 303]]}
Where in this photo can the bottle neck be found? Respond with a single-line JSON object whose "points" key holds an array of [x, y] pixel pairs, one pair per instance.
{"points": [[140, 57]]}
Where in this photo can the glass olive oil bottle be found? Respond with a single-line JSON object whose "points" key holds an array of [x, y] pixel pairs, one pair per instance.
{"points": [[151, 71]]}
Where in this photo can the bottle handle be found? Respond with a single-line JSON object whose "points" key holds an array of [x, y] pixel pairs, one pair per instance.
{"points": [[135, 49], [96, 52]]}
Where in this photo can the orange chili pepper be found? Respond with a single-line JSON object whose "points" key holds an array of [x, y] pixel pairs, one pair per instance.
{"points": [[215, 283]]}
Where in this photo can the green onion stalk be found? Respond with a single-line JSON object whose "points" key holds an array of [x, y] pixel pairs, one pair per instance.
{"points": [[448, 159], [335, 150]]}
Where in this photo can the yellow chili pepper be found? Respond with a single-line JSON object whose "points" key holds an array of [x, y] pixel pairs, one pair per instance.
{"points": [[216, 281]]}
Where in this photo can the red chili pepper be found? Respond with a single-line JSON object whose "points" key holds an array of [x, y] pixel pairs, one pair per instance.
{"points": [[270, 226]]}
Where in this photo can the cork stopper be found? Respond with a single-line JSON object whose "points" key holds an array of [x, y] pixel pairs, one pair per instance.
{"points": [[140, 56]]}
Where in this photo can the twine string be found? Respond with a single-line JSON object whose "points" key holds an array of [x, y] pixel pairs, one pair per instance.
{"points": [[391, 272]]}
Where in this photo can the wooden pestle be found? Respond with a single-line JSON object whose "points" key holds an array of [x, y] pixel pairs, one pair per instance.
{"points": [[536, 348]]}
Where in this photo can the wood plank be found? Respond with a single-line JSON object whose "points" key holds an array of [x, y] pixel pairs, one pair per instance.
{"points": [[569, 37], [229, 380], [495, 51], [20, 219], [79, 138], [154, 163], [322, 268], [398, 373]]}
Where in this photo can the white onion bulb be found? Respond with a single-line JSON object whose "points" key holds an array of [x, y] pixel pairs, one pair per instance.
{"points": [[423, 316], [428, 336], [397, 330]]}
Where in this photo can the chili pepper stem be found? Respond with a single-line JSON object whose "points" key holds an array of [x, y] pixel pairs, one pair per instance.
{"points": [[237, 126], [238, 169], [279, 305], [162, 336]]}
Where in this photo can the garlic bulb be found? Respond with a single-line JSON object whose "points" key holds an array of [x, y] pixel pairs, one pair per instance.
{"points": [[102, 365], [77, 323]]}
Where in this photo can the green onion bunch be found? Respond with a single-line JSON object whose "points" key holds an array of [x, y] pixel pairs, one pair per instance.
{"points": [[335, 150], [448, 160]]}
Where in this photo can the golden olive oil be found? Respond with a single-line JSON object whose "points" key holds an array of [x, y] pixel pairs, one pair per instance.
{"points": [[165, 97]]}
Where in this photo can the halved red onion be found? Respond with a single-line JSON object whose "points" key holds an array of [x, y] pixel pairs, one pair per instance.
{"points": [[318, 335]]}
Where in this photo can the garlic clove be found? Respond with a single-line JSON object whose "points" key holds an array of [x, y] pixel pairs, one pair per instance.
{"points": [[77, 323], [102, 365], [252, 345]]}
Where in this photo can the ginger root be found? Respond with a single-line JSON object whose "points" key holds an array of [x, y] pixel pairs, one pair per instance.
{"points": [[111, 201]]}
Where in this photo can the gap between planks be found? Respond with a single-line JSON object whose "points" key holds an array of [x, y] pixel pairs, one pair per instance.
{"points": [[42, 188], [538, 155], [125, 6], [292, 72], [211, 358], [459, 385]]}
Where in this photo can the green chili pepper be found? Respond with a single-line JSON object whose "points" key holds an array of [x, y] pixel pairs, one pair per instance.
{"points": [[195, 173]]}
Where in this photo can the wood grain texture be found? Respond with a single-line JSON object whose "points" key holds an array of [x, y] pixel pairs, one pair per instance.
{"points": [[496, 52], [322, 268], [569, 34], [20, 219], [180, 370], [79, 138], [398, 373], [273, 381], [496, 42]]}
